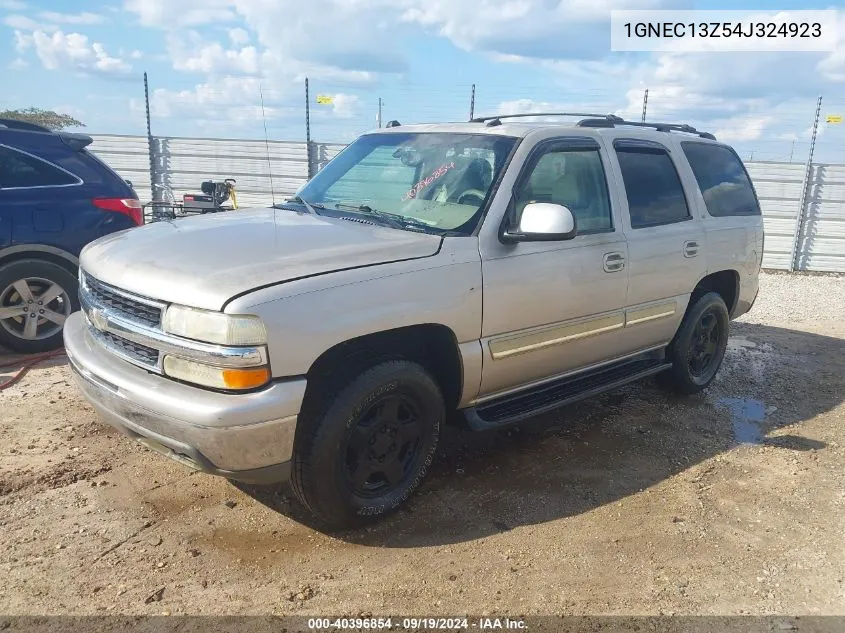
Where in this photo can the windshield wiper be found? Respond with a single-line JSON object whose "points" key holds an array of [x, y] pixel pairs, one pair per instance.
{"points": [[311, 206], [393, 219]]}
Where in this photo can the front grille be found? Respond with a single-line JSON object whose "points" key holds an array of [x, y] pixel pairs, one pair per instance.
{"points": [[139, 353], [129, 308]]}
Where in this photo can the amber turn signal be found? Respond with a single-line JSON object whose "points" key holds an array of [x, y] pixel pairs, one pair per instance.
{"points": [[245, 378]]}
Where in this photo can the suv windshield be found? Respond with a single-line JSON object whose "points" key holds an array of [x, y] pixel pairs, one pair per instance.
{"points": [[420, 181]]}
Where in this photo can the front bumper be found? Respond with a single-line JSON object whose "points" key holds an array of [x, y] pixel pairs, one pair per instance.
{"points": [[246, 437]]}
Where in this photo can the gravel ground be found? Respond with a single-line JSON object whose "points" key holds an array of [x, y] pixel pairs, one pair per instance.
{"points": [[731, 502]]}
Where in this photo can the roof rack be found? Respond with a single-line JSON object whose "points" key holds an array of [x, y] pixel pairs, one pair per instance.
{"points": [[495, 120], [597, 120], [612, 121], [15, 124]]}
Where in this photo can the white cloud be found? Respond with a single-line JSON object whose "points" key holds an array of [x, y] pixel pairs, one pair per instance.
{"points": [[24, 23], [167, 14], [530, 28], [345, 106], [12, 5], [136, 54], [18, 64], [80, 19], [746, 128], [71, 52], [205, 98], [22, 42], [239, 36], [189, 53]]}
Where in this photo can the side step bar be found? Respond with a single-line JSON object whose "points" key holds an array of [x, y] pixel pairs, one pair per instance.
{"points": [[517, 407]]}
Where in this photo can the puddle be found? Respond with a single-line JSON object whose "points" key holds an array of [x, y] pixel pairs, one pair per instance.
{"points": [[752, 359], [747, 416]]}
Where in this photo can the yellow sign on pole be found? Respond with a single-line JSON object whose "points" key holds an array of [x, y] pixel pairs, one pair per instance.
{"points": [[834, 118], [325, 99]]}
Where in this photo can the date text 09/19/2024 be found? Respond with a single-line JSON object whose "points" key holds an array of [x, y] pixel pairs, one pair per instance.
{"points": [[418, 624]]}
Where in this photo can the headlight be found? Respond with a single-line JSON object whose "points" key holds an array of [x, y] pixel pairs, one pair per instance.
{"points": [[215, 377], [214, 327]]}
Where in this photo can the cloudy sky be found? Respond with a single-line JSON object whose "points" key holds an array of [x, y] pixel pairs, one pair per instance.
{"points": [[210, 60]]}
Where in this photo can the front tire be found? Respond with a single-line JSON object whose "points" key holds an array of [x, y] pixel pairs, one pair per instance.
{"points": [[697, 351], [36, 297], [364, 452]]}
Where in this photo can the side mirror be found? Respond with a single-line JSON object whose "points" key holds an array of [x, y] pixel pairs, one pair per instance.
{"points": [[542, 222]]}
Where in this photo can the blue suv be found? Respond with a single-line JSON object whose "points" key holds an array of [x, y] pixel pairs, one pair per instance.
{"points": [[55, 197]]}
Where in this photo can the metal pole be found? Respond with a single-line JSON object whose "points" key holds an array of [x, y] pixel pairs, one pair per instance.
{"points": [[379, 111], [808, 172], [308, 130], [472, 104], [645, 103], [150, 150], [792, 151]]}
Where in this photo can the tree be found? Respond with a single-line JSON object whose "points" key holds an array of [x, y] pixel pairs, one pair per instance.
{"points": [[47, 118]]}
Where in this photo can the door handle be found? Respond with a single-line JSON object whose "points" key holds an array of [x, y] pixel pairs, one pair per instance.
{"points": [[690, 248], [614, 262]]}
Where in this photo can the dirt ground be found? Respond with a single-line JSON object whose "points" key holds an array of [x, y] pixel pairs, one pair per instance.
{"points": [[731, 502]]}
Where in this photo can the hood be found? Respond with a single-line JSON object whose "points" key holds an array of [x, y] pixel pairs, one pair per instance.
{"points": [[204, 261]]}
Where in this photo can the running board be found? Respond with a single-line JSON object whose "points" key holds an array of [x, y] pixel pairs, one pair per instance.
{"points": [[524, 404]]}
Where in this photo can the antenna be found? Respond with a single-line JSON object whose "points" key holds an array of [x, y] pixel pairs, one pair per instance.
{"points": [[267, 145]]}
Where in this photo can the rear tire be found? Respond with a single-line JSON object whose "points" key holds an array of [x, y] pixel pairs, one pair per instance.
{"points": [[365, 451], [27, 326], [697, 351]]}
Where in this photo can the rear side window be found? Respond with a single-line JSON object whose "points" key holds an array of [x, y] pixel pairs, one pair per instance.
{"points": [[725, 185], [19, 170], [655, 193]]}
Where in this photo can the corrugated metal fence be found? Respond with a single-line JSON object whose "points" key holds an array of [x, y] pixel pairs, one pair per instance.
{"points": [[181, 164]]}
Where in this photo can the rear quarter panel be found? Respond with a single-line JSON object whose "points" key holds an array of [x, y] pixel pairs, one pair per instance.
{"points": [[64, 217], [732, 242]]}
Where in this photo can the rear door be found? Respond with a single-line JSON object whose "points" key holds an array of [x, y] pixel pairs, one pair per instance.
{"points": [[665, 240]]}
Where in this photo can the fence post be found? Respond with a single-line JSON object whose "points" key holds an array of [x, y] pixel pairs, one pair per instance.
{"points": [[808, 174], [308, 132], [150, 148], [472, 104]]}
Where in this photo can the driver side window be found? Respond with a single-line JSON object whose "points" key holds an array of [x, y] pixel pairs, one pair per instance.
{"points": [[574, 179]]}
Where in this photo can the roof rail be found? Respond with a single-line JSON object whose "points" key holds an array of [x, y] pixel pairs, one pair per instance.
{"points": [[598, 120], [660, 127], [15, 124], [496, 119]]}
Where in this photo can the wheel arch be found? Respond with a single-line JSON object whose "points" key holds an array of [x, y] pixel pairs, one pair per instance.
{"points": [[432, 345], [40, 251], [725, 283]]}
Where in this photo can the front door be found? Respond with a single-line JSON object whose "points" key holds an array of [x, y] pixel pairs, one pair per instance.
{"points": [[554, 307]]}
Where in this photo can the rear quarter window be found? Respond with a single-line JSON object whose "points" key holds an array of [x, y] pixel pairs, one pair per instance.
{"points": [[722, 179], [22, 171]]}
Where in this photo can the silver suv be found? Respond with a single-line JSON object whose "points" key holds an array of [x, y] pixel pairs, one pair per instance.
{"points": [[494, 268]]}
